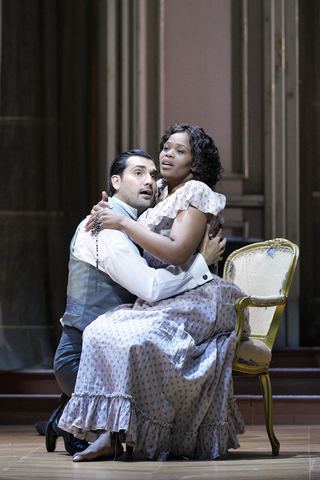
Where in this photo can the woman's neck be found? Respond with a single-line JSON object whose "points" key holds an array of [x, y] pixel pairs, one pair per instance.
{"points": [[173, 187]]}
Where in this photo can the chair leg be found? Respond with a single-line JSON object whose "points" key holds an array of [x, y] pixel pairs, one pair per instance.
{"points": [[268, 411]]}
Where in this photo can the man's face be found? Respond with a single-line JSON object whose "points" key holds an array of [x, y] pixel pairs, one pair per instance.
{"points": [[137, 186]]}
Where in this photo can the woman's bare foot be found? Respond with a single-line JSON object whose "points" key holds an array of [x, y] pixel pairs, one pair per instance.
{"points": [[104, 447]]}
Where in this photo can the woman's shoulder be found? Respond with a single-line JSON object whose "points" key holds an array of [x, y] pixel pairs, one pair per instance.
{"points": [[200, 186], [192, 193], [200, 195], [190, 187]]}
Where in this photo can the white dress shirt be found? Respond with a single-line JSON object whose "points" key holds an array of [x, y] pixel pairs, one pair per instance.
{"points": [[119, 257]]}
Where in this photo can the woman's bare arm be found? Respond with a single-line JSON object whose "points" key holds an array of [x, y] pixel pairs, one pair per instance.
{"points": [[186, 234]]}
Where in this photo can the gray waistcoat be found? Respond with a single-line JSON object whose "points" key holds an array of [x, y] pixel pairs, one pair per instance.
{"points": [[91, 292]]}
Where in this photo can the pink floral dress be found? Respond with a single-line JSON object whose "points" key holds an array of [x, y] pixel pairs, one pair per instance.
{"points": [[160, 373]]}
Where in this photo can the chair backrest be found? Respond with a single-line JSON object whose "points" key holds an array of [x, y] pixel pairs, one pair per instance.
{"points": [[264, 269]]}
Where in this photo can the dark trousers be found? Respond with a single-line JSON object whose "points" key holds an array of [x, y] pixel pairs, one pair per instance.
{"points": [[67, 359]]}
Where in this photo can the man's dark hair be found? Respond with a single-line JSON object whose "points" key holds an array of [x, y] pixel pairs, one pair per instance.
{"points": [[119, 164]]}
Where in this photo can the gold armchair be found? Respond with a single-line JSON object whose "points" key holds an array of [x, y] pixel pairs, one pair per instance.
{"points": [[264, 271]]}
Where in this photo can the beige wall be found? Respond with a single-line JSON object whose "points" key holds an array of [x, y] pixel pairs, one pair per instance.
{"points": [[197, 68], [198, 83]]}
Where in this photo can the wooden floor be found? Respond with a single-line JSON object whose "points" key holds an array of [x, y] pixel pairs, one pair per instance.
{"points": [[23, 456]]}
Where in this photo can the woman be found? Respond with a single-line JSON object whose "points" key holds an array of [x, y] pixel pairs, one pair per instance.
{"points": [[159, 374]]}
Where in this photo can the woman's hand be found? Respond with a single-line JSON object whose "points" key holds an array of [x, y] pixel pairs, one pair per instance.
{"points": [[102, 204], [98, 208], [107, 218], [212, 248]]}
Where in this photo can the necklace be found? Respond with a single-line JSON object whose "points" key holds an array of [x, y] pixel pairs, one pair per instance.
{"points": [[95, 229]]}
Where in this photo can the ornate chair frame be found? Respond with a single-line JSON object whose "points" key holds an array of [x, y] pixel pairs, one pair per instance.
{"points": [[251, 300]]}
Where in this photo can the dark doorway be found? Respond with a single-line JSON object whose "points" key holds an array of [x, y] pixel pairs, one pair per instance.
{"points": [[310, 171]]}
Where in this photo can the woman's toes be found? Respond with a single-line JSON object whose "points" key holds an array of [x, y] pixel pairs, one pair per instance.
{"points": [[77, 457]]}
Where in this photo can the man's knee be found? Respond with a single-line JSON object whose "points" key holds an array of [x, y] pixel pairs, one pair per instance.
{"points": [[67, 359], [66, 376]]}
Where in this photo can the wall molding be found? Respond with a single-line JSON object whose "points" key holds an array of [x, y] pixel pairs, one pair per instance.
{"points": [[244, 201]]}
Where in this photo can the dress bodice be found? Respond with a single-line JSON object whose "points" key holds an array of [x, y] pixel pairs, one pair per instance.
{"points": [[160, 218]]}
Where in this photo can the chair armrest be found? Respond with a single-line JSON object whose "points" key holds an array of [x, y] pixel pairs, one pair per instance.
{"points": [[240, 304], [243, 302], [274, 301]]}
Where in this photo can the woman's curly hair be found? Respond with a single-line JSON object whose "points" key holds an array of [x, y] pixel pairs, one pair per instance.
{"points": [[206, 159]]}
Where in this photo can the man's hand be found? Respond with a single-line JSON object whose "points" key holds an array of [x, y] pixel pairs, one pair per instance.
{"points": [[212, 248], [98, 208]]}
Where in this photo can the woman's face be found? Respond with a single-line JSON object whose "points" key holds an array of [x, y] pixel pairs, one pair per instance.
{"points": [[176, 159]]}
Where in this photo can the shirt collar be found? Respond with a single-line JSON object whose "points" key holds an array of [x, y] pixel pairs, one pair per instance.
{"points": [[133, 212]]}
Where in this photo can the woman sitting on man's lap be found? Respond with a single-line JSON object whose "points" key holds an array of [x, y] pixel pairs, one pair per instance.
{"points": [[159, 374]]}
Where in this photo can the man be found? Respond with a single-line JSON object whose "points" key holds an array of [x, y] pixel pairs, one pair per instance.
{"points": [[107, 270]]}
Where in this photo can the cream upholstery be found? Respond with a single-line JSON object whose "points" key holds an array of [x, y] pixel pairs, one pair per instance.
{"points": [[253, 352], [264, 271]]}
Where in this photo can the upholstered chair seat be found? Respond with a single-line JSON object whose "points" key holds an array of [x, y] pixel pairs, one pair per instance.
{"points": [[253, 353]]}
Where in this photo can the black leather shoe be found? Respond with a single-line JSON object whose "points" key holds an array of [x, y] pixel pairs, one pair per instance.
{"points": [[41, 427], [52, 430], [73, 444]]}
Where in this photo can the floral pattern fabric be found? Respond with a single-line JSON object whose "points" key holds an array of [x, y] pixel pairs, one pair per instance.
{"points": [[160, 373]]}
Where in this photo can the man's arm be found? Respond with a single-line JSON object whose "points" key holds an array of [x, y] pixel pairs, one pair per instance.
{"points": [[119, 258]]}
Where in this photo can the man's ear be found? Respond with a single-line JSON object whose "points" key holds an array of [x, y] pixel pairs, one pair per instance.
{"points": [[116, 181]]}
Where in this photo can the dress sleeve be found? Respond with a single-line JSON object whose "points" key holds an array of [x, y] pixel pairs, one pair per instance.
{"points": [[193, 193]]}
